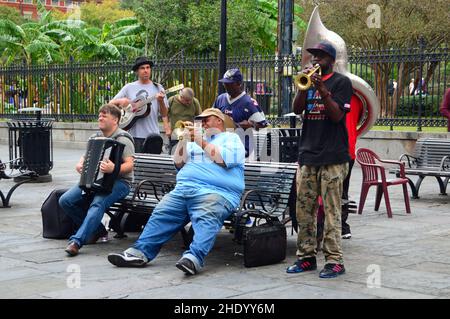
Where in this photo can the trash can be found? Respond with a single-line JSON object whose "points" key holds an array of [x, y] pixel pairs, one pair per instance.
{"points": [[30, 140], [277, 144], [289, 141]]}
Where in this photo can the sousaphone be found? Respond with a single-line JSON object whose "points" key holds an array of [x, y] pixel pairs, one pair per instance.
{"points": [[317, 32]]}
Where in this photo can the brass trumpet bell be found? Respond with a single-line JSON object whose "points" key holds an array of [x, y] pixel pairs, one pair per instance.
{"points": [[303, 80], [179, 128]]}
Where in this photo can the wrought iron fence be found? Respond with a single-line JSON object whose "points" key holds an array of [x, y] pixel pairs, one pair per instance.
{"points": [[410, 83]]}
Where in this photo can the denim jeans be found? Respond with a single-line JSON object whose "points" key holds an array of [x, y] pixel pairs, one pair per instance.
{"points": [[89, 222], [206, 212]]}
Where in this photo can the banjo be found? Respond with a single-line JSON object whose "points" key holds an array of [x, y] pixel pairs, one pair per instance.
{"points": [[140, 107]]}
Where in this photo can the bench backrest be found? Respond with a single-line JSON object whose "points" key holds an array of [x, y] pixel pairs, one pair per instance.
{"points": [[158, 169], [430, 151], [273, 178]]}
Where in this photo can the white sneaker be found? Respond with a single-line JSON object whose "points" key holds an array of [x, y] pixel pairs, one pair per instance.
{"points": [[126, 259], [347, 236]]}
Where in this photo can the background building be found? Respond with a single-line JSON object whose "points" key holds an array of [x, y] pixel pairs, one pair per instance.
{"points": [[28, 8]]}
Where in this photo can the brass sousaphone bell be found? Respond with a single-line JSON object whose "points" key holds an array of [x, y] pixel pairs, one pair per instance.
{"points": [[316, 32], [303, 80]]}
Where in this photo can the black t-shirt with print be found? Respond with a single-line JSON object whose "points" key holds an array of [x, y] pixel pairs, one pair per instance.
{"points": [[324, 142]]}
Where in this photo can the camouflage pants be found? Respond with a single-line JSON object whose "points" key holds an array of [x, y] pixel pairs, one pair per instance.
{"points": [[325, 181]]}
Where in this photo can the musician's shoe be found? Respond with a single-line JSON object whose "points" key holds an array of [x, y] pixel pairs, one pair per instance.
{"points": [[186, 265], [100, 237], [72, 249], [302, 265], [129, 258], [332, 270]]}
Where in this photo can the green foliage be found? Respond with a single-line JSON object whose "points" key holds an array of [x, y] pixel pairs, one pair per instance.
{"points": [[194, 26], [402, 22], [409, 105], [162, 28], [107, 12], [11, 14]]}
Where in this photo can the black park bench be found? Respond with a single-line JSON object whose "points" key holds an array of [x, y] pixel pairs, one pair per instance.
{"points": [[11, 170], [267, 189], [431, 158]]}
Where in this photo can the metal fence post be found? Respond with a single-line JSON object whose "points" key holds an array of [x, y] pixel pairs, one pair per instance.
{"points": [[420, 86]]}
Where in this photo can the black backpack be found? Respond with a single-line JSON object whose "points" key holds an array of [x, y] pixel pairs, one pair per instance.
{"points": [[56, 224]]}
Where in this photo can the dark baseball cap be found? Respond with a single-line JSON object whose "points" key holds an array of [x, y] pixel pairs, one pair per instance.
{"points": [[141, 61], [323, 46], [232, 76]]}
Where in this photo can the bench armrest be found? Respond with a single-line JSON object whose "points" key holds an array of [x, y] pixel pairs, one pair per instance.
{"points": [[142, 195], [21, 171], [411, 160], [248, 205], [445, 163]]}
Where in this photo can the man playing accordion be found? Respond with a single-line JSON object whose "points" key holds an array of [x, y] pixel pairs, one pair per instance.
{"points": [[75, 201]]}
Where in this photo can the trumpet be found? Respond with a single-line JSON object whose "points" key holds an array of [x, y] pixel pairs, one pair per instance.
{"points": [[179, 128], [303, 80]]}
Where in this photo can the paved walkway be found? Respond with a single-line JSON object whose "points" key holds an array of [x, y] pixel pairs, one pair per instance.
{"points": [[402, 257]]}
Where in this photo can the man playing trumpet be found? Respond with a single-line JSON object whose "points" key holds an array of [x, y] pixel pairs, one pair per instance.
{"points": [[323, 161], [210, 182]]}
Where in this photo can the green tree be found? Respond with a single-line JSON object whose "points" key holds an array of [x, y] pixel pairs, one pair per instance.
{"points": [[27, 42], [402, 21], [130, 4], [11, 14], [194, 25], [116, 40], [109, 11]]}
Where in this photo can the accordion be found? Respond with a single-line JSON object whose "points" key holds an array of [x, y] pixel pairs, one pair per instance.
{"points": [[92, 180]]}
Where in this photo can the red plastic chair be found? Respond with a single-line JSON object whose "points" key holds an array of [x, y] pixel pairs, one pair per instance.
{"points": [[374, 175]]}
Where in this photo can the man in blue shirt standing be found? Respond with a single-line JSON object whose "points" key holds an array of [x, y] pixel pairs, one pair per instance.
{"points": [[209, 185], [243, 109], [236, 103]]}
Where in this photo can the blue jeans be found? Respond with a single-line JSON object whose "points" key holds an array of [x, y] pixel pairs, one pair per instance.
{"points": [[90, 223], [206, 212]]}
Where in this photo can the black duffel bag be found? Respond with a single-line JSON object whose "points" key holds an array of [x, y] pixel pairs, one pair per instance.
{"points": [[264, 242]]}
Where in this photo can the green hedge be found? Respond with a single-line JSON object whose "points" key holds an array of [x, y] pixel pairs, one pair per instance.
{"points": [[409, 105]]}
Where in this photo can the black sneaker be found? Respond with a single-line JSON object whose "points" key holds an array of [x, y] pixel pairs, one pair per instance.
{"points": [[187, 266], [332, 270], [126, 259], [302, 265]]}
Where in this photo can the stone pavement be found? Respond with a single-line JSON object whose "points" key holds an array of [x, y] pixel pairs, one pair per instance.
{"points": [[402, 257]]}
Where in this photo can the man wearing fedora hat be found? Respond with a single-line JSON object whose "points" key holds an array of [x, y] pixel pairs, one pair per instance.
{"points": [[144, 87], [210, 182]]}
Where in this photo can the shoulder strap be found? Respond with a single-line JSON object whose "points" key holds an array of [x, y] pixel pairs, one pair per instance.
{"points": [[158, 86], [124, 134], [171, 100]]}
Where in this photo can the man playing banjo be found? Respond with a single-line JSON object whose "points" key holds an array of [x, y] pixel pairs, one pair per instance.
{"points": [[144, 88]]}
